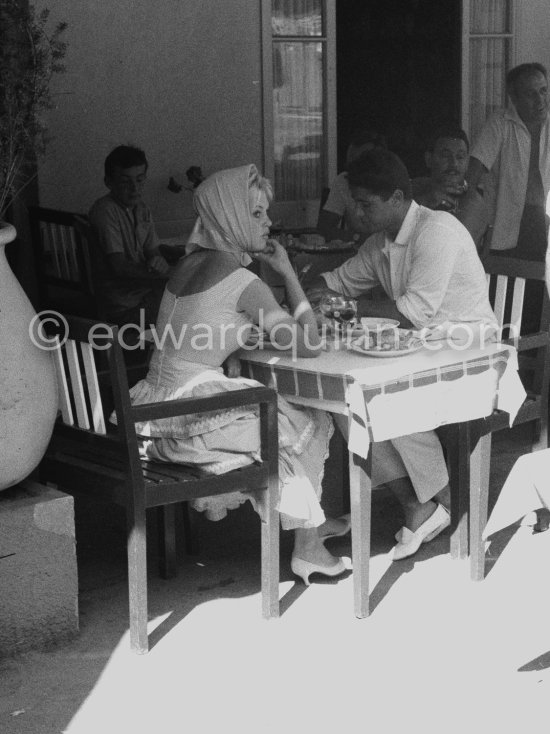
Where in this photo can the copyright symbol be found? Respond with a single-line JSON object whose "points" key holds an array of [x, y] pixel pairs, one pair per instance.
{"points": [[59, 327]]}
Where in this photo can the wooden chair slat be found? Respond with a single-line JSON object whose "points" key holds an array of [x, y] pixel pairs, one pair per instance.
{"points": [[77, 384], [61, 244], [62, 386], [67, 238], [500, 298], [517, 306], [96, 405], [58, 242], [50, 247]]}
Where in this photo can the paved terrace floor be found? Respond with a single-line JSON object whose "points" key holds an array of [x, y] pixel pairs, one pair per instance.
{"points": [[439, 653]]}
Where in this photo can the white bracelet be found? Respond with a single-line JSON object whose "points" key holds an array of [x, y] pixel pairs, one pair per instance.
{"points": [[301, 308]]}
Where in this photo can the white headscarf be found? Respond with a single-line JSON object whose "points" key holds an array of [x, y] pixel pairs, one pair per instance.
{"points": [[225, 220]]}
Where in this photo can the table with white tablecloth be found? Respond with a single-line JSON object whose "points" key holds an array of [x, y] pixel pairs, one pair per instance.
{"points": [[442, 383]]}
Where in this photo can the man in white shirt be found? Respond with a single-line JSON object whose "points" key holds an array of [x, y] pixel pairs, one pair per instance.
{"points": [[428, 267], [514, 145]]}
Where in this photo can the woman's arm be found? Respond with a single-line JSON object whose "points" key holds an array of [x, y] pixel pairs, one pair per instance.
{"points": [[297, 329]]}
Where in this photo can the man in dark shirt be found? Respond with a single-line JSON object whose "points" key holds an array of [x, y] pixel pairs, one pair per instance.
{"points": [[446, 189]]}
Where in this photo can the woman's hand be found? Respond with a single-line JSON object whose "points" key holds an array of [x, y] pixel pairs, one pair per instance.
{"points": [[274, 255]]}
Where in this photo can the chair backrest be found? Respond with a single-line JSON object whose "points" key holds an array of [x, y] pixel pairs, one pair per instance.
{"points": [[509, 280], [88, 394], [506, 280], [61, 251]]}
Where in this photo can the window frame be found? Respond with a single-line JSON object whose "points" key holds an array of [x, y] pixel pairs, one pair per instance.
{"points": [[300, 212], [467, 38]]}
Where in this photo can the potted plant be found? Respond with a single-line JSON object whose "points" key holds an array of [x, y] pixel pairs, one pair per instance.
{"points": [[29, 55]]}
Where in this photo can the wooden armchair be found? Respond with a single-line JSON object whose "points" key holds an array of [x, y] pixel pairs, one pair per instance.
{"points": [[87, 455], [510, 278], [63, 266]]}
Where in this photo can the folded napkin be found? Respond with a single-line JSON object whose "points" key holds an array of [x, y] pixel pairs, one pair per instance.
{"points": [[526, 489]]}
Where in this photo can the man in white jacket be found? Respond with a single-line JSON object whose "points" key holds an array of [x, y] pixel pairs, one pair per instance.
{"points": [[514, 144]]}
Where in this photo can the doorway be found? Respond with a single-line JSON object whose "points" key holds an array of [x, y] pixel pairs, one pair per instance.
{"points": [[398, 71]]}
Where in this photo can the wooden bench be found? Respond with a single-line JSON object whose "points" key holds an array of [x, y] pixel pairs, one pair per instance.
{"points": [[89, 456]]}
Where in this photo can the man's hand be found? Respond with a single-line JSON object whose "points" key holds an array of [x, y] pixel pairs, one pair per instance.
{"points": [[316, 293], [385, 308], [232, 366], [158, 265]]}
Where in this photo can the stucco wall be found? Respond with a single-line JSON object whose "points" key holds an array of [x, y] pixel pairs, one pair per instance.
{"points": [[533, 31], [179, 78]]}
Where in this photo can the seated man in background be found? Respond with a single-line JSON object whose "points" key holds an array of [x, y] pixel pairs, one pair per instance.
{"points": [[427, 264], [446, 189], [337, 218], [130, 272]]}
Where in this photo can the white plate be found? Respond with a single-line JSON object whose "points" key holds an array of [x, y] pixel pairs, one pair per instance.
{"points": [[355, 346]]}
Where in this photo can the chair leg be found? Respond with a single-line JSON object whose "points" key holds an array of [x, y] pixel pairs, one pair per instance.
{"points": [[459, 471], [540, 437], [167, 541], [346, 506], [189, 536], [270, 553], [137, 580], [479, 501], [360, 498]]}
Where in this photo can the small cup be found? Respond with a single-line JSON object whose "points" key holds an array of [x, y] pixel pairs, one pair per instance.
{"points": [[375, 326], [378, 324]]}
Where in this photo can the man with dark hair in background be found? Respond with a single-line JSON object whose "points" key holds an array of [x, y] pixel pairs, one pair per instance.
{"points": [[130, 272], [446, 189], [337, 219]]}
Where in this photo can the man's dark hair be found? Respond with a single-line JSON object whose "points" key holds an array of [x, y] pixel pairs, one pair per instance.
{"points": [[446, 131], [381, 172], [523, 70], [365, 136], [124, 156]]}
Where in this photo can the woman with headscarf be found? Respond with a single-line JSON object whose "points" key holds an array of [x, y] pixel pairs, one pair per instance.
{"points": [[210, 305]]}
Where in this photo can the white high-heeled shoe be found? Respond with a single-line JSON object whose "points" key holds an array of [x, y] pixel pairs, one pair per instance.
{"points": [[305, 568]]}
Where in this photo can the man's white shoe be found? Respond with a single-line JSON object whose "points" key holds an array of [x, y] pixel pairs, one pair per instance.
{"points": [[410, 542]]}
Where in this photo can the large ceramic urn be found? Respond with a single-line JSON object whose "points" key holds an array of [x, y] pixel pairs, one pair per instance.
{"points": [[28, 390]]}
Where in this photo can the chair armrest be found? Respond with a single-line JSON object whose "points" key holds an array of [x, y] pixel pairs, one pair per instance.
{"points": [[529, 341], [219, 401]]}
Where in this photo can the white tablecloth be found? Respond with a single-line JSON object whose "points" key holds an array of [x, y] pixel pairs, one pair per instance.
{"points": [[386, 398]]}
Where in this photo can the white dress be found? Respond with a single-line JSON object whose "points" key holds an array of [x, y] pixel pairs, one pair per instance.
{"points": [[194, 335]]}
